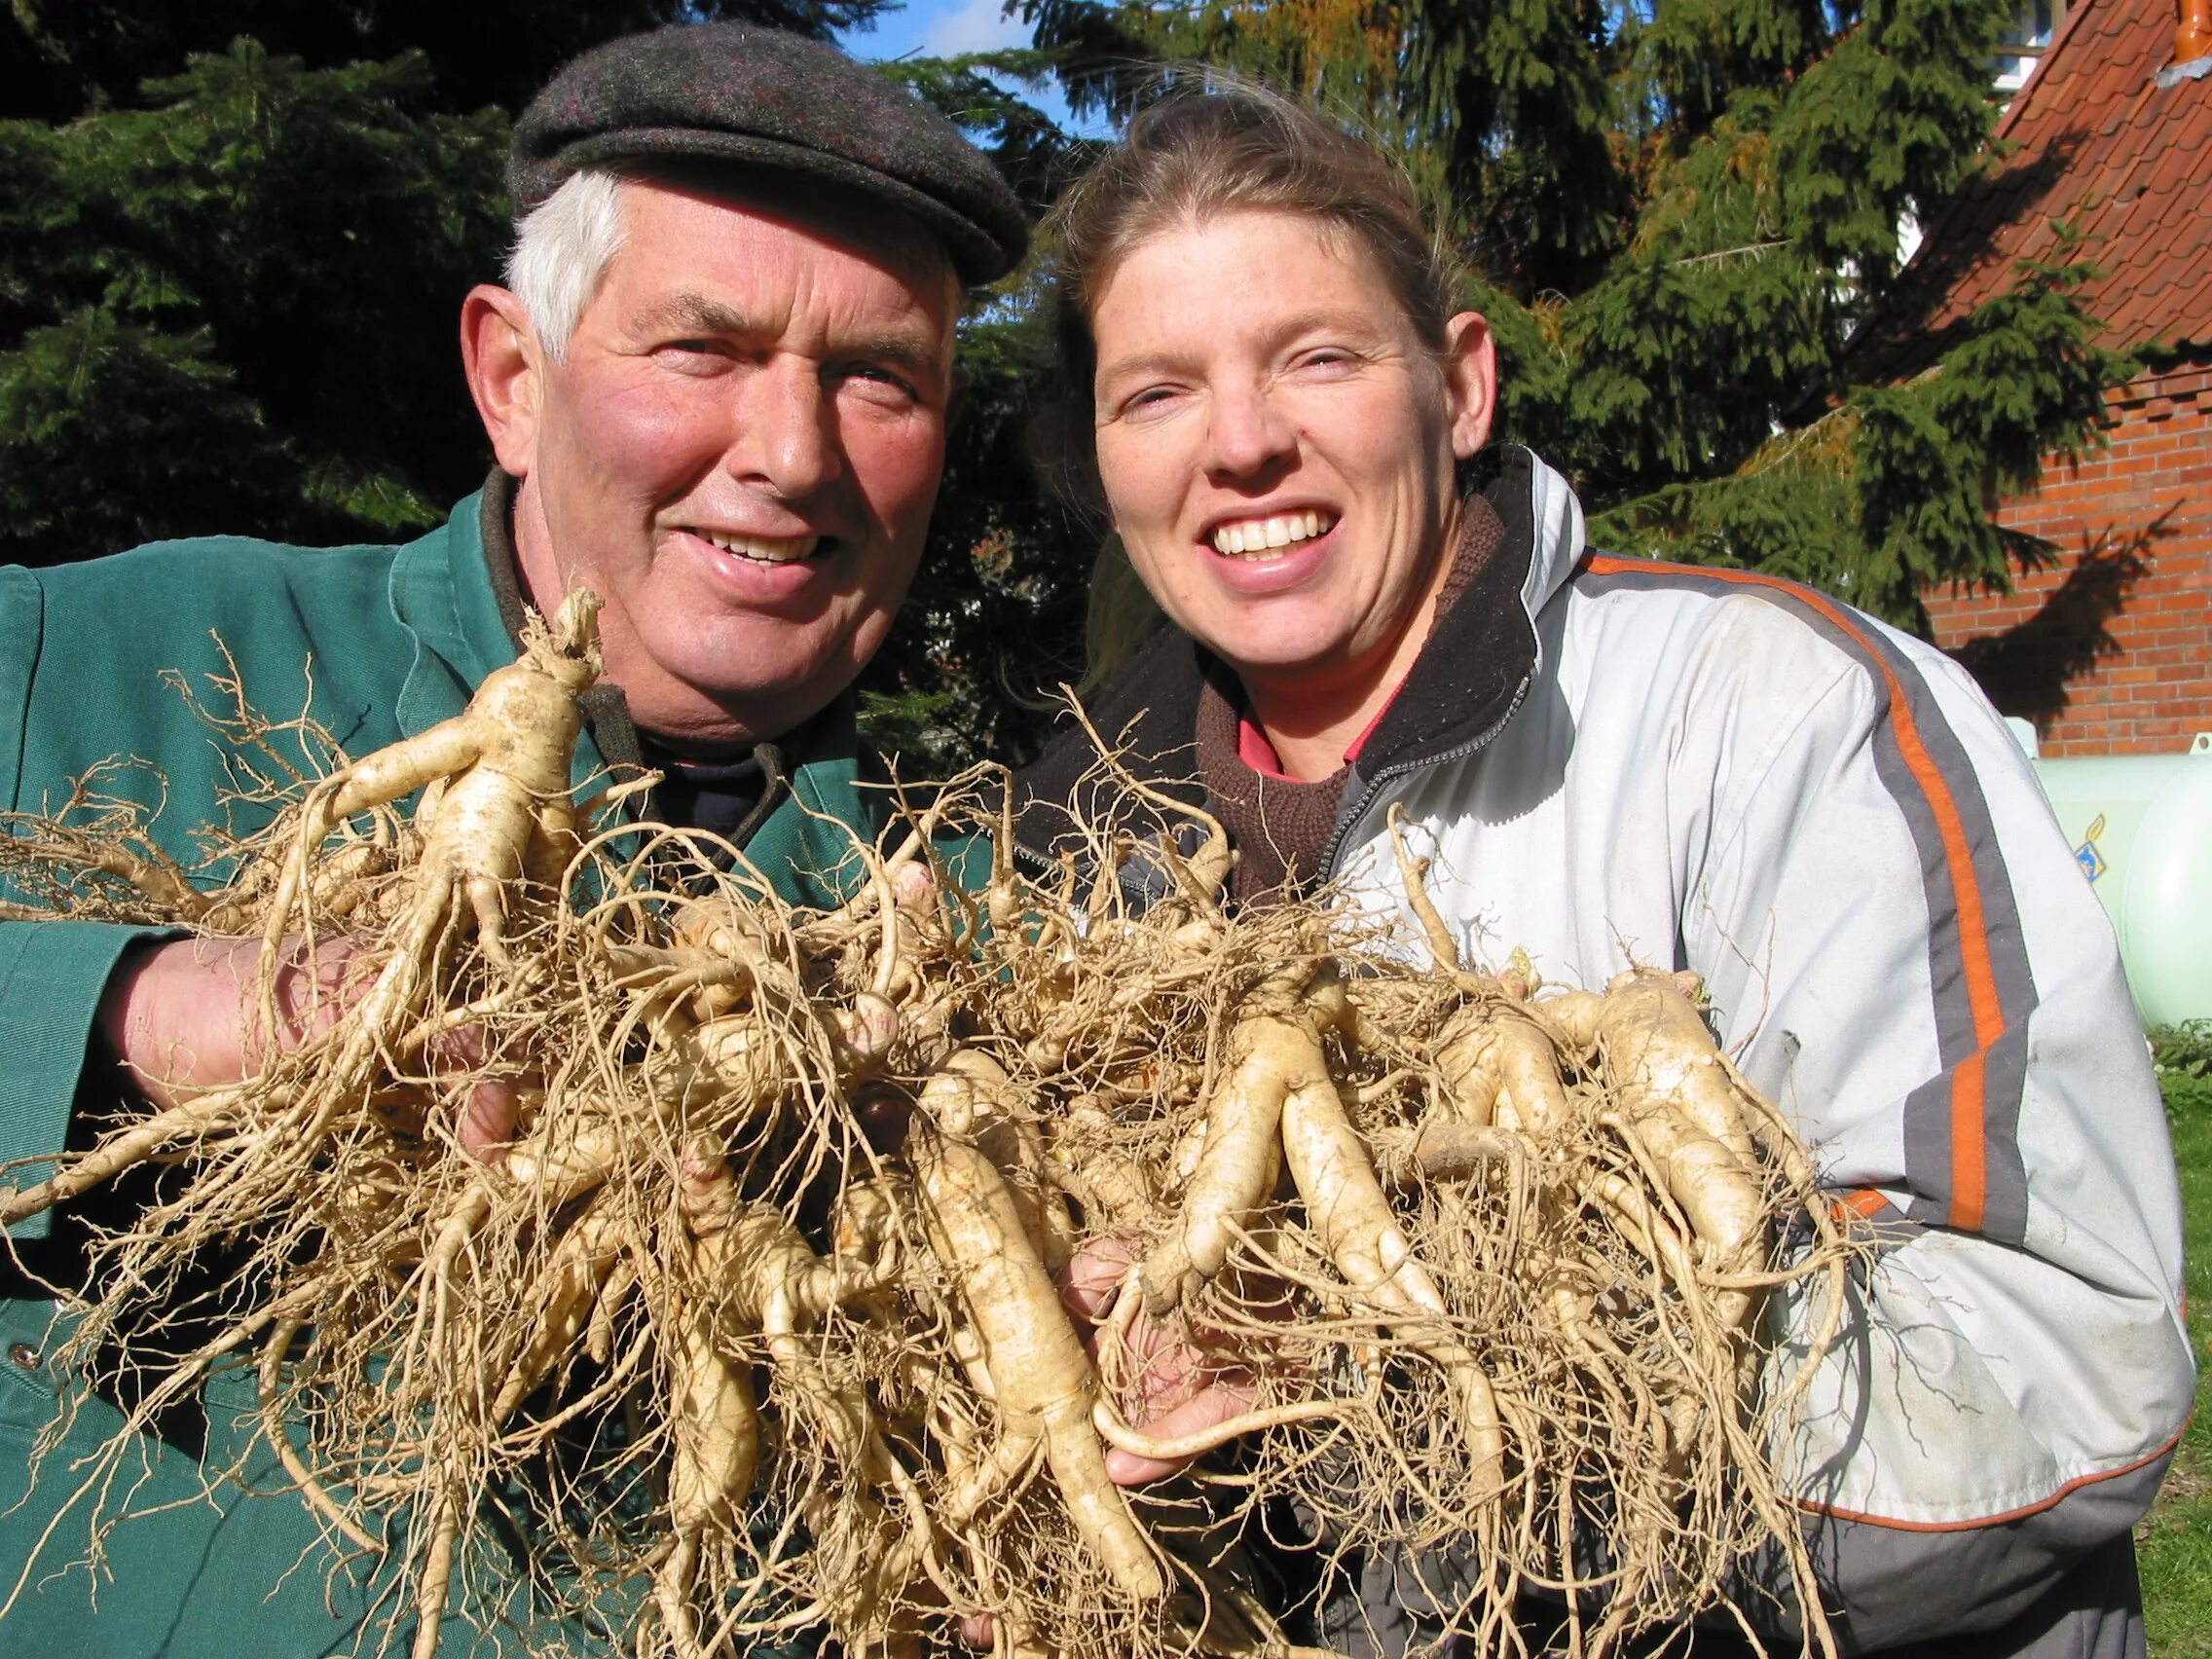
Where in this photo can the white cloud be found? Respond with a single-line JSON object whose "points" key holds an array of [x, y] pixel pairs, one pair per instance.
{"points": [[970, 25]]}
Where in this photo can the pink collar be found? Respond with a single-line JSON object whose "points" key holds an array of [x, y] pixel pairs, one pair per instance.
{"points": [[1257, 753]]}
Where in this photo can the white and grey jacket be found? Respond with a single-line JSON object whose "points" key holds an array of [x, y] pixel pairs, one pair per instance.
{"points": [[1618, 760]]}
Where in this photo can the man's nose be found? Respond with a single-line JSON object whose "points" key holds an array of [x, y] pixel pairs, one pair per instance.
{"points": [[1246, 431], [786, 431]]}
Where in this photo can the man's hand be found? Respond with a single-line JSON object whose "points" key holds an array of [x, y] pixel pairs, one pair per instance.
{"points": [[185, 1017]]}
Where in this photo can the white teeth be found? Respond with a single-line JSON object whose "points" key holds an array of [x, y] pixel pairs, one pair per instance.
{"points": [[1258, 536], [768, 549]]}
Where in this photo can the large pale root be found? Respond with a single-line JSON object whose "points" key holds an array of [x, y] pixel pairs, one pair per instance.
{"points": [[714, 1453], [971, 1096], [1350, 1213], [1044, 1380], [498, 810], [1269, 1054], [434, 1578], [571, 1286], [566, 1159], [713, 1418], [1498, 1066], [734, 1058], [717, 1435], [775, 1283], [503, 813], [1116, 1192], [1670, 1085]]}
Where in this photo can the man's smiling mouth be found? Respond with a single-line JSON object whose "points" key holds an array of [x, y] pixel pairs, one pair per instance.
{"points": [[765, 549], [1264, 534]]}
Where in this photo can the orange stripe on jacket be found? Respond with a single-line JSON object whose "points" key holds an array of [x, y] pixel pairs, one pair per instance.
{"points": [[1970, 1180], [2078, 1482]]}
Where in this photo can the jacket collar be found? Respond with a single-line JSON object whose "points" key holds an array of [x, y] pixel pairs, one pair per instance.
{"points": [[441, 592]]}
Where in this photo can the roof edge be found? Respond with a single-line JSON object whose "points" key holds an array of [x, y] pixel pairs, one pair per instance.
{"points": [[2075, 13]]}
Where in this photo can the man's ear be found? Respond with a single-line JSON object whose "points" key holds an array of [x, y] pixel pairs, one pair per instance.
{"points": [[506, 366], [1470, 380]]}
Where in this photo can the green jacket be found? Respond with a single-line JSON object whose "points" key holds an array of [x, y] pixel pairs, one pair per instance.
{"points": [[377, 644]]}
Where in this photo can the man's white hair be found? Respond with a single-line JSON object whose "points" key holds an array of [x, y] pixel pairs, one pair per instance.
{"points": [[562, 247]]}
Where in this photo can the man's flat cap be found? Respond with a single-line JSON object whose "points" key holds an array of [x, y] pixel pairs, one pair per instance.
{"points": [[767, 99]]}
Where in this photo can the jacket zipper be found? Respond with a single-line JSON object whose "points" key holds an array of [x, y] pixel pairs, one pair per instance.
{"points": [[1334, 852], [1407, 768]]}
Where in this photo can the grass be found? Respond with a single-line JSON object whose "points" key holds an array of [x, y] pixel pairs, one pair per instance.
{"points": [[2174, 1542]]}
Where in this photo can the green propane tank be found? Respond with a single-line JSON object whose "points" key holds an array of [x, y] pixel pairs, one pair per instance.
{"points": [[2138, 825]]}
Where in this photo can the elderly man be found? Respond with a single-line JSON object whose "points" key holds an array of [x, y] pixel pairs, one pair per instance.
{"points": [[717, 387]]}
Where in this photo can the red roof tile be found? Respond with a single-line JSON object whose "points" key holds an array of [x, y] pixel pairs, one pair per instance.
{"points": [[2091, 139]]}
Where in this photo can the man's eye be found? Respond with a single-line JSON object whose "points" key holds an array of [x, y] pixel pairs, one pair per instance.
{"points": [[875, 376], [692, 355]]}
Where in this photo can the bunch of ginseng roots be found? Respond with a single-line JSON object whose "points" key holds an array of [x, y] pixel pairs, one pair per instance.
{"points": [[755, 1327]]}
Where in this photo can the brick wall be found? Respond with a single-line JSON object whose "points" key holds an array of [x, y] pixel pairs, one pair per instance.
{"points": [[2110, 651]]}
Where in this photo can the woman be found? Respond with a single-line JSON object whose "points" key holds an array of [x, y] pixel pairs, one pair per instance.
{"points": [[1365, 607]]}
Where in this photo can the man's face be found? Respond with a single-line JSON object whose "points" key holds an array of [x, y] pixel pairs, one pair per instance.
{"points": [[739, 453]]}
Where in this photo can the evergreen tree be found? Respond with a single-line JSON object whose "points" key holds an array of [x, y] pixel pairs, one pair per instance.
{"points": [[1681, 216], [61, 59], [234, 311], [230, 277]]}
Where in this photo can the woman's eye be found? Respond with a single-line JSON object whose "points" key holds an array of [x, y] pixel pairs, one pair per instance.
{"points": [[1151, 398]]}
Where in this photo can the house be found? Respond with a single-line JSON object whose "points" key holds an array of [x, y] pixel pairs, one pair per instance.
{"points": [[2109, 650]]}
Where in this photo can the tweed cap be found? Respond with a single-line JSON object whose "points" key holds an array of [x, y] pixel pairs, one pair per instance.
{"points": [[768, 98]]}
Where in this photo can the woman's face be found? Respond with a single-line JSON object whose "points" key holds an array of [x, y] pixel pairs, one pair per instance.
{"points": [[1278, 450]]}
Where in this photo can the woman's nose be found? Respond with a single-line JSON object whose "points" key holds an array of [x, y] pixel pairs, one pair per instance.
{"points": [[1246, 433]]}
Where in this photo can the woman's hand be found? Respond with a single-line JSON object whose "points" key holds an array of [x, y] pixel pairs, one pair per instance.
{"points": [[1169, 1385]]}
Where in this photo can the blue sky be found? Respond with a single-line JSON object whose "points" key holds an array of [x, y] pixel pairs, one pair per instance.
{"points": [[939, 28], [947, 28]]}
